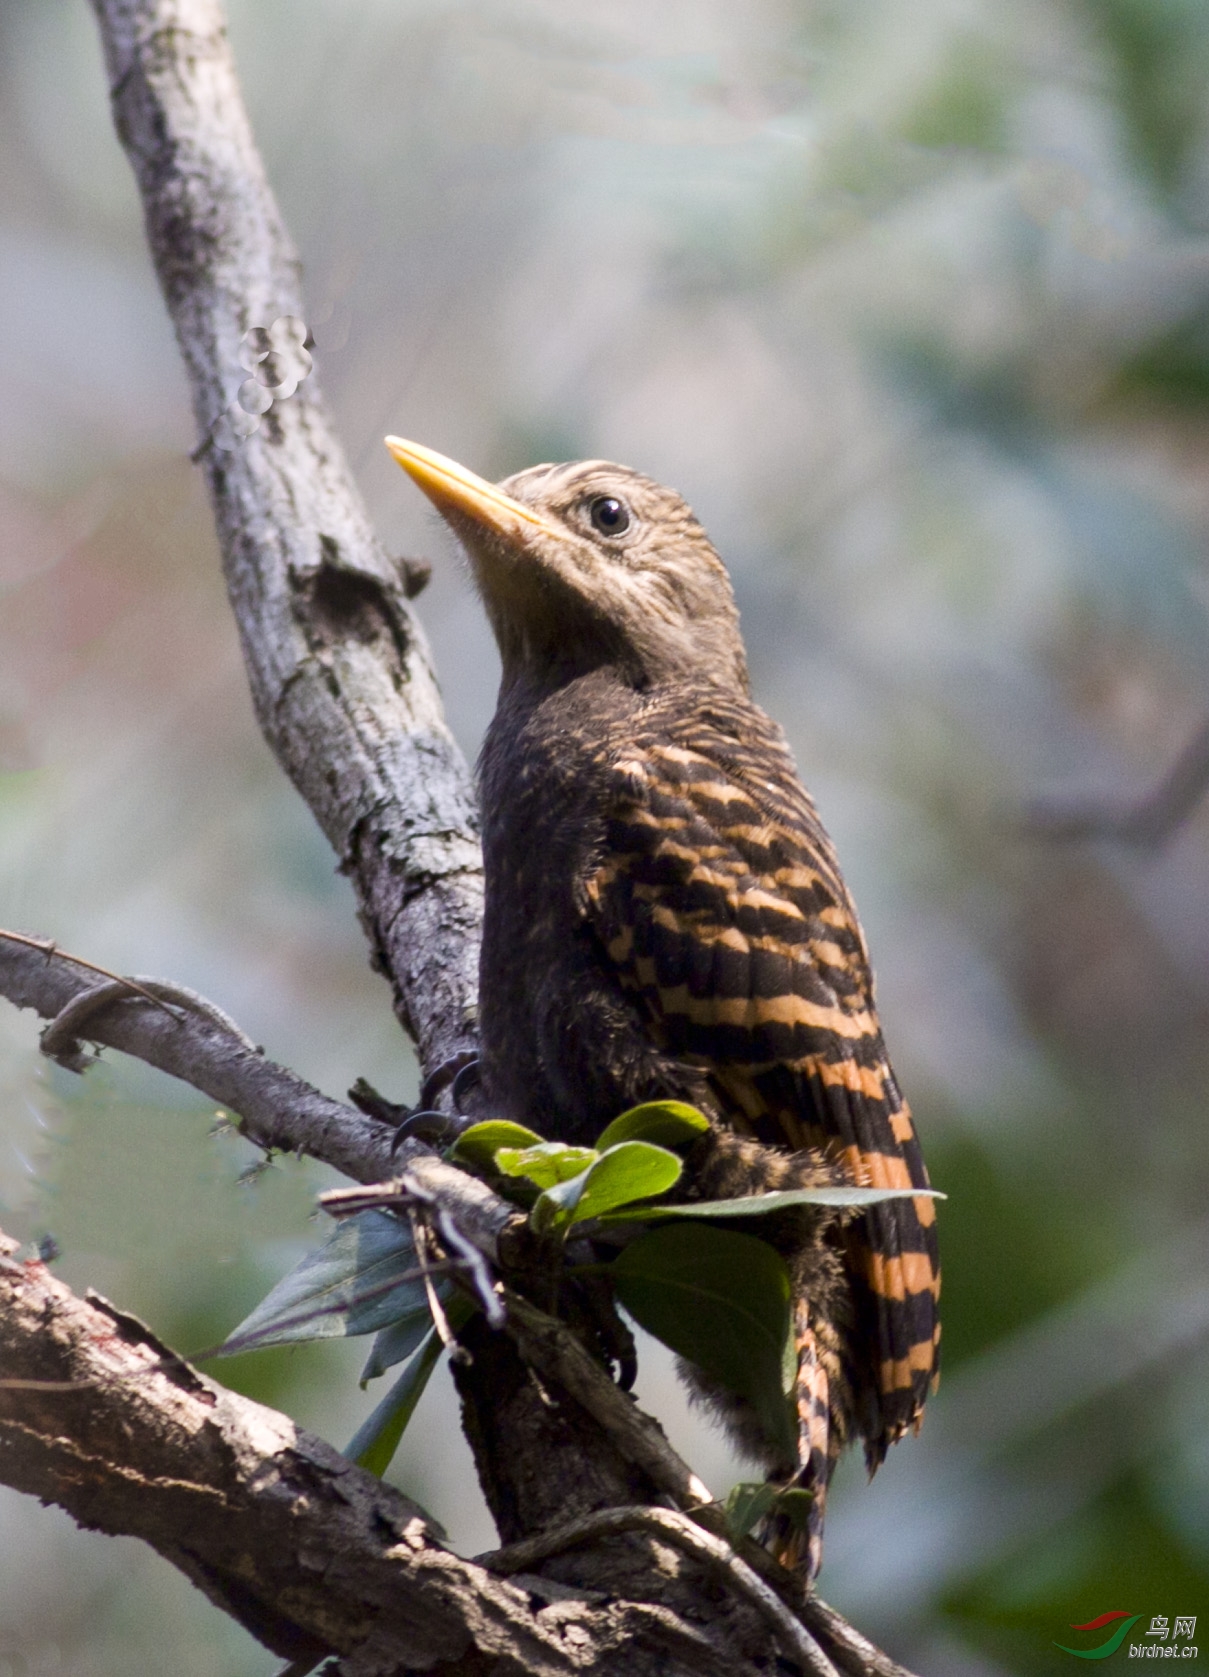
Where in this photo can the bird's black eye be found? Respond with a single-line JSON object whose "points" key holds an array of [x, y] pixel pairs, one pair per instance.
{"points": [[609, 515]]}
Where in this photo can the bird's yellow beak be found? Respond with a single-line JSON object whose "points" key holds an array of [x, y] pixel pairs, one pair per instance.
{"points": [[451, 488]]}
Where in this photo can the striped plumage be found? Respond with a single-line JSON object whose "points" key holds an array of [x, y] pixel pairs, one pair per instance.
{"points": [[666, 916], [720, 904]]}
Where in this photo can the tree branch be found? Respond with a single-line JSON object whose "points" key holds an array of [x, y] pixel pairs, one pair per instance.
{"points": [[1146, 823], [280, 1110], [311, 1554], [339, 667], [794, 1638], [559, 1357]]}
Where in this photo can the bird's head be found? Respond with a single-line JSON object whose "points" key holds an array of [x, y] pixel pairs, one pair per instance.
{"points": [[589, 565]]}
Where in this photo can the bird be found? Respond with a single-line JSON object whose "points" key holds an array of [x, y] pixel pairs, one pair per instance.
{"points": [[666, 918]]}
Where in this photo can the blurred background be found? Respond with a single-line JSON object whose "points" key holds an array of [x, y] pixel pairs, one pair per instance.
{"points": [[910, 298]]}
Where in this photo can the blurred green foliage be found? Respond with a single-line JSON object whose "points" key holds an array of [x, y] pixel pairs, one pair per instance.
{"points": [[1081, 1570], [1158, 52]]}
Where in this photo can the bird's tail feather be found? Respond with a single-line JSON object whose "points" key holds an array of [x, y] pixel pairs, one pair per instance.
{"points": [[797, 1544]]}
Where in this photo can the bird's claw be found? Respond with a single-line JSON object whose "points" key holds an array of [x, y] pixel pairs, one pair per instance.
{"points": [[438, 1128]]}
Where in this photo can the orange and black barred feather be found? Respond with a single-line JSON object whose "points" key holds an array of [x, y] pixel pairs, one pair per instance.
{"points": [[801, 1549], [718, 900]]}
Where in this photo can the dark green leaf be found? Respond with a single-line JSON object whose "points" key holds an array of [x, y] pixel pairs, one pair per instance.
{"points": [[746, 1505], [751, 1501], [377, 1438], [547, 1163], [720, 1299], [759, 1205], [665, 1123], [477, 1146], [352, 1284], [400, 1339]]}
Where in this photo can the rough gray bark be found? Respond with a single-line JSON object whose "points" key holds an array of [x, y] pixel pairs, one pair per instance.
{"points": [[338, 664], [313, 1555], [307, 1551]]}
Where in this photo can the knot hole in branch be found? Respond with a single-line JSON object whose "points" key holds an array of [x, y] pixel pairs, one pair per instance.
{"points": [[352, 605]]}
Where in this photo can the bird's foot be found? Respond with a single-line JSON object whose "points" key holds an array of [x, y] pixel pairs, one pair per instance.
{"points": [[423, 1122], [449, 1071], [603, 1322], [440, 1129]]}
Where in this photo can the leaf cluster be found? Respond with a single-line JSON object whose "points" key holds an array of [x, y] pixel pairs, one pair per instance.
{"points": [[718, 1297]]}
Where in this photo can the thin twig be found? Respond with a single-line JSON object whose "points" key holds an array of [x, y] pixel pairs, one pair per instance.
{"points": [[49, 948], [486, 1288], [1147, 823], [419, 1235], [391, 1195], [857, 1655], [203, 1047], [485, 1284], [795, 1639], [61, 1036], [481, 1215]]}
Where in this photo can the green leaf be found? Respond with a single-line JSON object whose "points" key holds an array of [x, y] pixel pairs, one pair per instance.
{"points": [[665, 1123], [555, 1207], [759, 1205], [478, 1145], [377, 1438], [630, 1170], [352, 1284], [721, 1300], [633, 1170], [400, 1339], [548, 1163], [751, 1501], [746, 1505]]}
